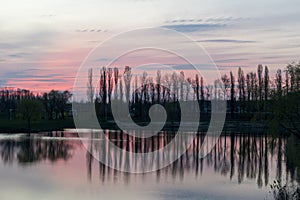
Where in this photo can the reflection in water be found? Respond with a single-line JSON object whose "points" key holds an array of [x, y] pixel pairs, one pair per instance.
{"points": [[25, 149], [234, 156], [240, 157]]}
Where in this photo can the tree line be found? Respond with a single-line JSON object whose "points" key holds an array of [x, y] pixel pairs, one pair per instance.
{"points": [[250, 96], [24, 104]]}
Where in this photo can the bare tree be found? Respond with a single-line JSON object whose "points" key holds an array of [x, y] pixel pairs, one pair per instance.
{"points": [[127, 80], [90, 87], [253, 85], [266, 83], [103, 87], [116, 79], [175, 86], [136, 96], [197, 87], [279, 82], [248, 83], [209, 89], [217, 88], [158, 85], [188, 85], [201, 89], [110, 83], [226, 82], [152, 89], [286, 82], [181, 81], [167, 80], [260, 81], [144, 86], [241, 87], [232, 94]]}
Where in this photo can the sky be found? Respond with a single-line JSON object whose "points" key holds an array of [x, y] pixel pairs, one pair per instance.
{"points": [[43, 43]]}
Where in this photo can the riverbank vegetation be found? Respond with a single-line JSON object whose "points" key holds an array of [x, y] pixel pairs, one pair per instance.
{"points": [[253, 97]]}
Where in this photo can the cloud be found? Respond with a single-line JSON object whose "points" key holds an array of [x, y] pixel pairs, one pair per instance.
{"points": [[225, 20], [270, 57], [183, 67], [203, 24], [103, 60], [193, 27], [7, 46], [15, 55], [90, 30], [2, 83], [231, 67], [228, 41], [46, 80], [36, 79], [230, 60], [30, 80], [18, 45], [29, 75], [192, 67]]}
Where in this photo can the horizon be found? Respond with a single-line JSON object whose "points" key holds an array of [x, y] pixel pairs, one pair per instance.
{"points": [[138, 74]]}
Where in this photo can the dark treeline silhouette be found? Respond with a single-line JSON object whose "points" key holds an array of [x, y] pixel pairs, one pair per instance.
{"points": [[254, 96], [54, 103], [24, 104]]}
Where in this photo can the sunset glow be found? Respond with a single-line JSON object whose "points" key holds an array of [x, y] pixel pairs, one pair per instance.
{"points": [[43, 44]]}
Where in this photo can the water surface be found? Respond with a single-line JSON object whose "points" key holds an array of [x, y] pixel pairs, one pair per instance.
{"points": [[58, 166]]}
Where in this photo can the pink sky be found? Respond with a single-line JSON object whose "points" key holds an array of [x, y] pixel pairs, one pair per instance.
{"points": [[42, 44]]}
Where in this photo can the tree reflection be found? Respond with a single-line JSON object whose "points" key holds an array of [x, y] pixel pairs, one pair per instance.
{"points": [[34, 149], [238, 157]]}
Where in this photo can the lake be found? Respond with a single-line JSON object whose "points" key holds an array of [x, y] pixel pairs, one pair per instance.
{"points": [[57, 165]]}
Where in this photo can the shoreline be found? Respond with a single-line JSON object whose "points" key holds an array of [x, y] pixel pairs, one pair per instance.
{"points": [[60, 125]]}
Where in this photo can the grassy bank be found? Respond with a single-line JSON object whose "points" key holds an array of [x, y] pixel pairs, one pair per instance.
{"points": [[20, 126]]}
